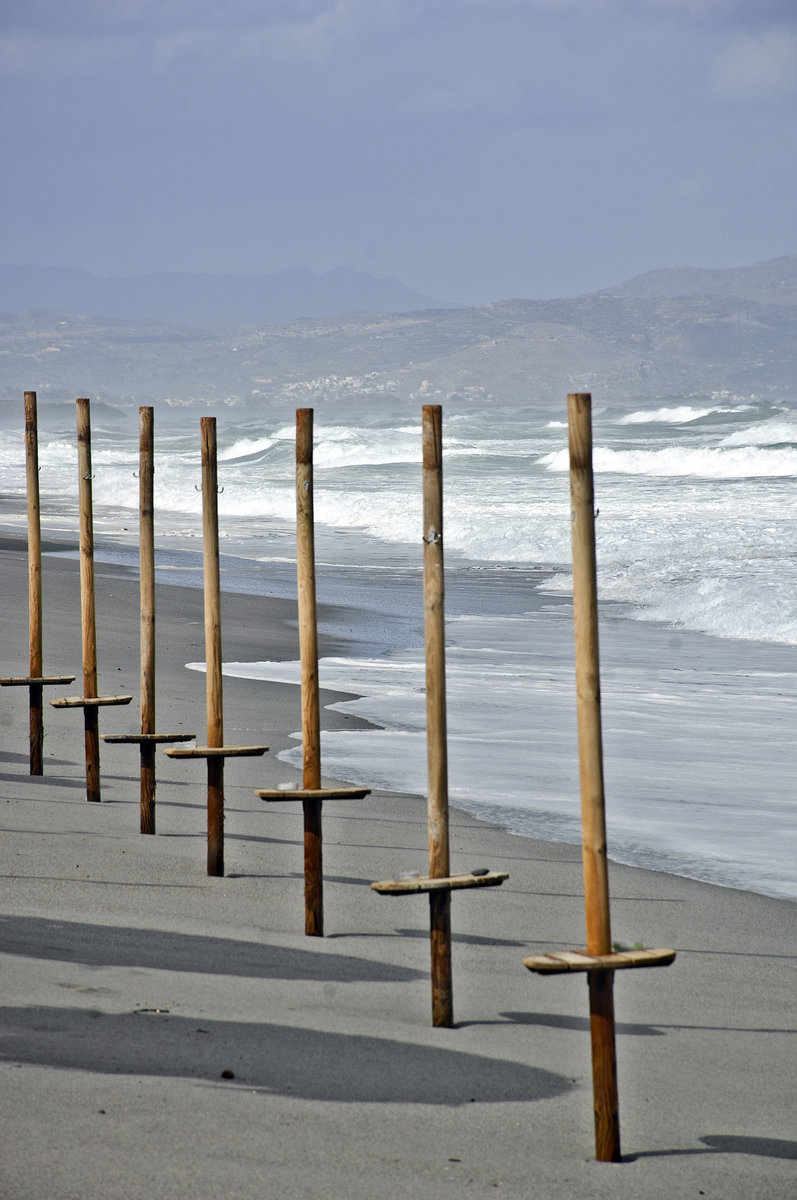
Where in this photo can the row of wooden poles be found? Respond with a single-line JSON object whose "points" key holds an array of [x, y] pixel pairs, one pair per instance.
{"points": [[598, 960]]}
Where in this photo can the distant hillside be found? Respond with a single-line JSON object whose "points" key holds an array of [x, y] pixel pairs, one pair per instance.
{"points": [[667, 334], [188, 299], [771, 282]]}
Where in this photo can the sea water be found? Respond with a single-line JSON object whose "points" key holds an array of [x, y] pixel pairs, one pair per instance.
{"points": [[697, 583]]}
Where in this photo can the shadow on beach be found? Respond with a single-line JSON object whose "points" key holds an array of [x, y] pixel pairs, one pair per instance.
{"points": [[277, 1059], [722, 1143], [109, 946]]}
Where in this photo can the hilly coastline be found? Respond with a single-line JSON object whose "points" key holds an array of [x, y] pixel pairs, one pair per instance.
{"points": [[672, 332]]}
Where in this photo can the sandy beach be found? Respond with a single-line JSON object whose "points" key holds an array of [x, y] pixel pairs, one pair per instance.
{"points": [[168, 1035]]}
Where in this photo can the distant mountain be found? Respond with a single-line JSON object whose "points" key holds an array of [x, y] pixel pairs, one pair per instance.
{"points": [[205, 299], [671, 333], [773, 282]]}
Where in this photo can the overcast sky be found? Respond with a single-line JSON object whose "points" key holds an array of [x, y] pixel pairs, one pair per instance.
{"points": [[474, 149]]}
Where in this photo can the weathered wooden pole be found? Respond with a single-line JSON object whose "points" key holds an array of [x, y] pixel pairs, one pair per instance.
{"points": [[599, 960], [148, 739], [34, 681], [436, 734], [311, 794], [90, 702], [146, 475], [215, 751], [87, 600], [308, 653], [595, 863], [439, 883], [213, 693], [34, 585]]}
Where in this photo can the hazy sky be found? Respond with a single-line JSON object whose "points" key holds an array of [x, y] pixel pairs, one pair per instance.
{"points": [[475, 149]]}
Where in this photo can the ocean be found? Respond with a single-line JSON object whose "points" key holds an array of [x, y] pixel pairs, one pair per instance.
{"points": [[697, 576]]}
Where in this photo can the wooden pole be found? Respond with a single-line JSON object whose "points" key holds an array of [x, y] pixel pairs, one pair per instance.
{"points": [[215, 719], [436, 741], [88, 626], [596, 880], [308, 650], [148, 738], [34, 585], [147, 590], [34, 680]]}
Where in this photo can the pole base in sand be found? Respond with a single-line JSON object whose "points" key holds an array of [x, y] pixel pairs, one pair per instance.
{"points": [[36, 685], [146, 743], [215, 756]]}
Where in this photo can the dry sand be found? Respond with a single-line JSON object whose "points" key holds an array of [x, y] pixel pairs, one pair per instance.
{"points": [[166, 1035]]}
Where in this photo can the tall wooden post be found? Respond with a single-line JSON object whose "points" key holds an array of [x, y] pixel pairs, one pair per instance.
{"points": [[596, 880], [599, 960], [147, 589], [90, 702], [148, 739], [439, 883], [34, 585], [34, 680], [87, 609], [311, 793], [213, 694], [308, 643], [215, 752], [436, 739]]}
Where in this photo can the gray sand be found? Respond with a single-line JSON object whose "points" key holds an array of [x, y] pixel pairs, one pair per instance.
{"points": [[132, 983]]}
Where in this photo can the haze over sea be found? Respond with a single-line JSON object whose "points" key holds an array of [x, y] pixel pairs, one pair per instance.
{"points": [[697, 582]]}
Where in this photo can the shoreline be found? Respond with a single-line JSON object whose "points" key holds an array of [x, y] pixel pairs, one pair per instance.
{"points": [[279, 606], [132, 982]]}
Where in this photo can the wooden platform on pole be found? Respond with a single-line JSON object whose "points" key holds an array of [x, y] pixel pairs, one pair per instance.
{"points": [[35, 680], [598, 960], [215, 752], [148, 739], [90, 702], [560, 962], [312, 794], [445, 883], [440, 882]]}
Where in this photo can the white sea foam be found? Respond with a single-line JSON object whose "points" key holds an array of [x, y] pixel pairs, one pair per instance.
{"points": [[245, 447], [773, 432], [682, 414], [705, 462], [347, 446]]}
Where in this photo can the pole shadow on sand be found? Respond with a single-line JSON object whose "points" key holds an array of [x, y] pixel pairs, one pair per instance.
{"points": [[302, 1063], [728, 1143], [95, 945]]}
